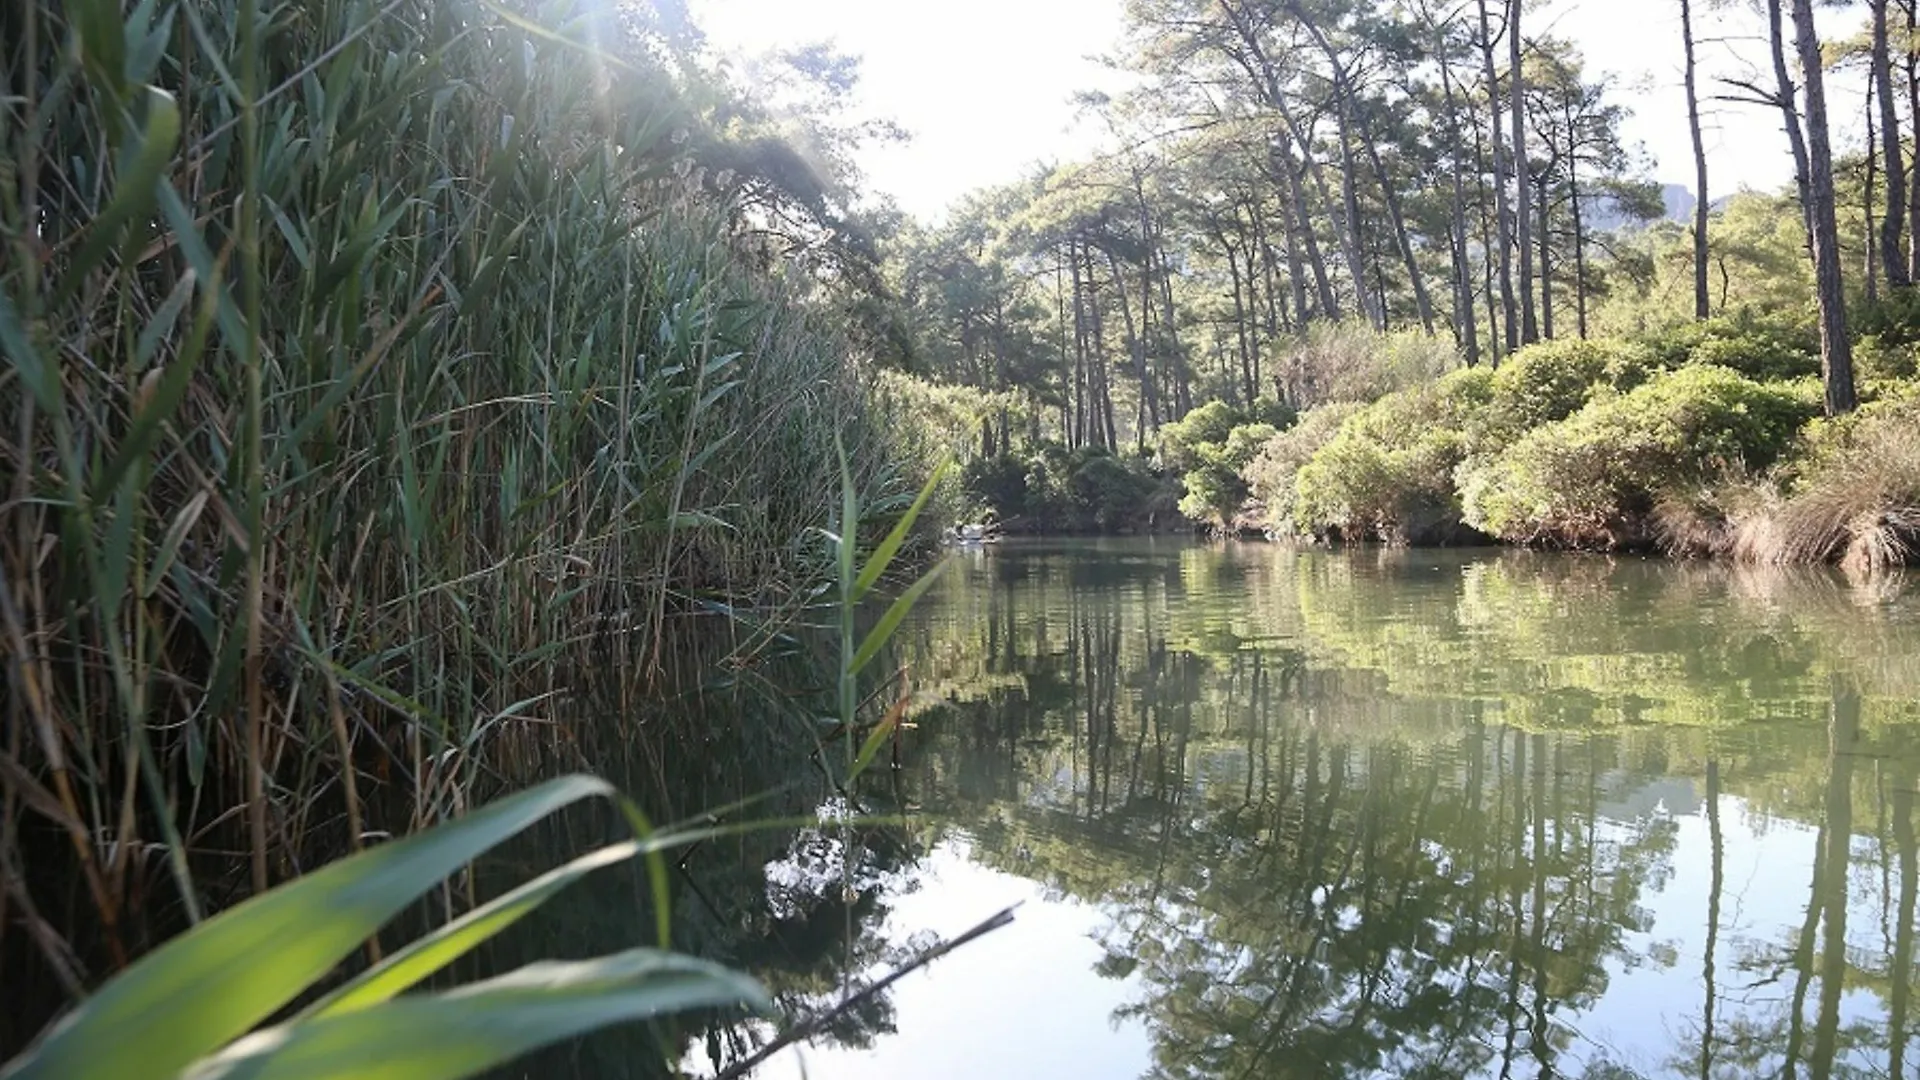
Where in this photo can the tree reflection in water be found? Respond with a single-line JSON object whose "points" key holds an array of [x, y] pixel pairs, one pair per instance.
{"points": [[1428, 815]]}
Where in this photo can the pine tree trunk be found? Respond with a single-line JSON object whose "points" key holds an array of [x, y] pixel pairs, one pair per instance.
{"points": [[1465, 318], [1870, 260], [1240, 328], [1836, 352], [1176, 353], [1150, 245], [1303, 223], [1466, 322], [1517, 86], [1345, 226], [1790, 115], [1912, 10], [1104, 433], [1546, 261], [1268, 312], [1343, 102], [1136, 338], [1893, 259], [1504, 249], [1423, 302], [1372, 305], [1296, 271], [1579, 249], [1701, 302], [1060, 324], [1486, 227], [1080, 359]]}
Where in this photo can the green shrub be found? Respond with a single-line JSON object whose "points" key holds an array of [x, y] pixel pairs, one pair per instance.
{"points": [[1594, 478], [1886, 350], [1182, 442], [1248, 440], [1893, 318], [998, 483], [1767, 348], [1388, 473], [1114, 493], [1555, 379], [1270, 476], [1215, 489], [1049, 489], [1879, 361]]}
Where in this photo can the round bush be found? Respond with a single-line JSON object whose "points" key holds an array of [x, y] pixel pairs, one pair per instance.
{"points": [[1555, 379], [1592, 479], [1388, 473], [1768, 347], [1271, 475], [1112, 492], [1216, 491]]}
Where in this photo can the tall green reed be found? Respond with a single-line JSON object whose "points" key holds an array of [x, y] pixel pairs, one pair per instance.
{"points": [[376, 375]]}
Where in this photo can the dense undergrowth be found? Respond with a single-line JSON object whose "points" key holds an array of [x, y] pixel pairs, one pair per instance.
{"points": [[1701, 439], [380, 380], [1705, 440]]}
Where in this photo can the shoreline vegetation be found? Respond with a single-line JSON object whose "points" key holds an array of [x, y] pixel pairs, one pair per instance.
{"points": [[394, 393], [1706, 441]]}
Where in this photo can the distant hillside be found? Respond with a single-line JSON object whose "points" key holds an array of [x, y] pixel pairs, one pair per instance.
{"points": [[1678, 200]]}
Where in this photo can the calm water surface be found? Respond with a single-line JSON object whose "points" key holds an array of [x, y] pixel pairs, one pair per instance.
{"points": [[1309, 814]]}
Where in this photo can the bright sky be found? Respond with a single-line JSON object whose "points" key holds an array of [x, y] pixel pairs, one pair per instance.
{"points": [[985, 86]]}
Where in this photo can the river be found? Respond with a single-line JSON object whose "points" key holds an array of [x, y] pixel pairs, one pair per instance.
{"points": [[1384, 813]]}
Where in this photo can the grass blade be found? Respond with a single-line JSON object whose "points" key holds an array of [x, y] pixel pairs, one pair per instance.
{"points": [[158, 406], [430, 953], [877, 738], [882, 631], [236, 970], [145, 161], [467, 1031], [883, 555], [41, 381]]}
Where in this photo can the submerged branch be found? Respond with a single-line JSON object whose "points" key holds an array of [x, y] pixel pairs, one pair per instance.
{"points": [[820, 1022]]}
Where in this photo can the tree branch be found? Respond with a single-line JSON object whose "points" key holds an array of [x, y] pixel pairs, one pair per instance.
{"points": [[819, 1023]]}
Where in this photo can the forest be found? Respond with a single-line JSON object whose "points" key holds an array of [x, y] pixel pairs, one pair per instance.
{"points": [[1389, 271]]}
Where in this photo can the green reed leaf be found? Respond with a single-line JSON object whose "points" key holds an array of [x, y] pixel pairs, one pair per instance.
{"points": [[427, 954], [883, 555], [472, 1029], [143, 163], [209, 986], [882, 631]]}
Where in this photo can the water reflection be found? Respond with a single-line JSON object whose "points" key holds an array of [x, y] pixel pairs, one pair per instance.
{"points": [[1426, 815]]}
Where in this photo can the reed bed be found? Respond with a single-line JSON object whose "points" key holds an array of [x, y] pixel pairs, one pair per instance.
{"points": [[376, 375]]}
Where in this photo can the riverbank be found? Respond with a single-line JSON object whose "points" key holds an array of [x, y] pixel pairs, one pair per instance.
{"points": [[1609, 446], [1703, 442]]}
